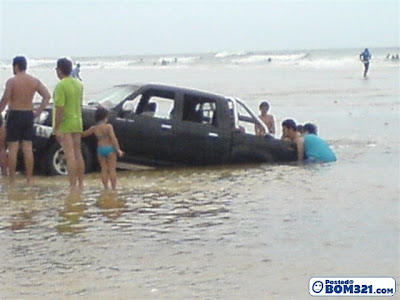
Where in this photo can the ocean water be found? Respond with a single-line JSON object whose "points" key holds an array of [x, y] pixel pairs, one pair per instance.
{"points": [[227, 232]]}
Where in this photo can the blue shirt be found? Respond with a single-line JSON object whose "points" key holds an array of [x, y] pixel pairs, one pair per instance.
{"points": [[366, 56], [317, 149], [75, 72]]}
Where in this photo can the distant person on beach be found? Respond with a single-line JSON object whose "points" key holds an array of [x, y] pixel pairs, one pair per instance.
{"points": [[311, 148], [365, 57], [268, 120], [289, 131], [67, 120], [75, 72], [107, 147], [18, 94], [3, 153]]}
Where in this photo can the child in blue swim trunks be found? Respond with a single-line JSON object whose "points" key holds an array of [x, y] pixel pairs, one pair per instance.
{"points": [[107, 147]]}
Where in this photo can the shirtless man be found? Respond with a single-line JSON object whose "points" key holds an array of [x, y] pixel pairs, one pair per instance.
{"points": [[268, 120], [18, 94], [289, 131]]}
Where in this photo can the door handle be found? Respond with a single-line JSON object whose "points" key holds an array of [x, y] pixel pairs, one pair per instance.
{"points": [[213, 134], [166, 126]]}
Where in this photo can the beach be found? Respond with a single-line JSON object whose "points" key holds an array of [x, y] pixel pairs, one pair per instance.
{"points": [[254, 231]]}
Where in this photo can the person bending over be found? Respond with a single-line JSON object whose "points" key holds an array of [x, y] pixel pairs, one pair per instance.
{"points": [[311, 148], [289, 131]]}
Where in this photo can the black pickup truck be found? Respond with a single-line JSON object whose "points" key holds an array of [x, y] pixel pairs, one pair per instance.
{"points": [[160, 125]]}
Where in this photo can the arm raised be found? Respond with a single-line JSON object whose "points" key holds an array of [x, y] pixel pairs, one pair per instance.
{"points": [[88, 132]]}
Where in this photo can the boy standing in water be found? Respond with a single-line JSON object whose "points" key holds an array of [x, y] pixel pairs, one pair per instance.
{"points": [[107, 147], [268, 120]]}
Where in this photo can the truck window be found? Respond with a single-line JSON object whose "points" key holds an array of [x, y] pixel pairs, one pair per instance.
{"points": [[245, 120], [128, 108], [159, 107], [150, 104], [199, 110]]}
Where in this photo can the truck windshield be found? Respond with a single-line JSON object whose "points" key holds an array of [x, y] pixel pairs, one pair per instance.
{"points": [[113, 97]]}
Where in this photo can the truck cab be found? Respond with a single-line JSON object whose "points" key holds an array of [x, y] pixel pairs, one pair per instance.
{"points": [[160, 125]]}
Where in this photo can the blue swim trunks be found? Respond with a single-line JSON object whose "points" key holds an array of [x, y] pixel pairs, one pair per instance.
{"points": [[105, 150]]}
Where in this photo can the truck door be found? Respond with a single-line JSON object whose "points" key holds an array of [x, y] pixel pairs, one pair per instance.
{"points": [[200, 136], [148, 135]]}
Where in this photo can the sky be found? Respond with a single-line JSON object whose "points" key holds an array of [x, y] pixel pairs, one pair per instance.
{"points": [[54, 28]]}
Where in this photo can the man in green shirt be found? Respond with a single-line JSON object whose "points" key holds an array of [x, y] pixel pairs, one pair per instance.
{"points": [[67, 120]]}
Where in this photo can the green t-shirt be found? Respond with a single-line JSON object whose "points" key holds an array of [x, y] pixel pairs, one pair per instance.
{"points": [[68, 94]]}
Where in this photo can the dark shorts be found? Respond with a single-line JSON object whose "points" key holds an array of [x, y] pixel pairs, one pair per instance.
{"points": [[19, 126]]}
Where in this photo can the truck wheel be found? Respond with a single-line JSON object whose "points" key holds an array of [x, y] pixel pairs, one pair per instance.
{"points": [[54, 162]]}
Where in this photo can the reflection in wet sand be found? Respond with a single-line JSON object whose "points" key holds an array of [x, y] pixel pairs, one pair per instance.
{"points": [[110, 205], [72, 214], [22, 220], [22, 205]]}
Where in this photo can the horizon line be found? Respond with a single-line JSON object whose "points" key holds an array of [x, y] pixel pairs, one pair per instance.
{"points": [[201, 52]]}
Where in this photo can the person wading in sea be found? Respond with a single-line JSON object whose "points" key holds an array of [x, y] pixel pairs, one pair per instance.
{"points": [[365, 57]]}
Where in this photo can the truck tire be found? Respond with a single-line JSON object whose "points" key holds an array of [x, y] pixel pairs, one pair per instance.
{"points": [[54, 162]]}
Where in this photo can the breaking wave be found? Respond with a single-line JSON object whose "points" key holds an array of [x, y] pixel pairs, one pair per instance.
{"points": [[307, 59]]}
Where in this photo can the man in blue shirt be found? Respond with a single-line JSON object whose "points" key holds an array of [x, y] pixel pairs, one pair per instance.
{"points": [[365, 57], [311, 148]]}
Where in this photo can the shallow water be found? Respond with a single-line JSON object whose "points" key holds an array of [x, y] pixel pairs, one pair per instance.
{"points": [[227, 232]]}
